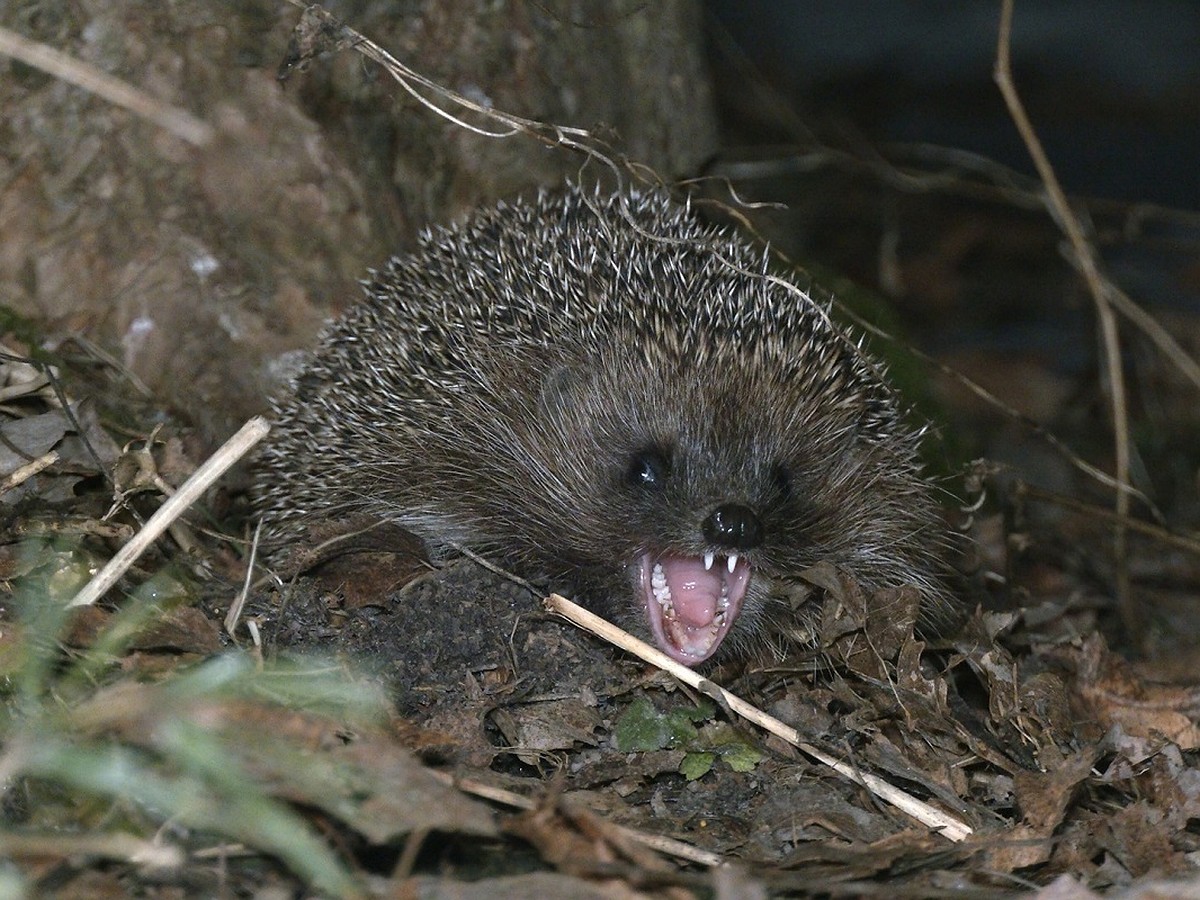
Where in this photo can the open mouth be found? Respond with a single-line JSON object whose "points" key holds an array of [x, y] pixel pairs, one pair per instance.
{"points": [[692, 601]]}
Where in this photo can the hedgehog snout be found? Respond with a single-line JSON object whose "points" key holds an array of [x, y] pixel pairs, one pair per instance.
{"points": [[693, 599], [733, 526]]}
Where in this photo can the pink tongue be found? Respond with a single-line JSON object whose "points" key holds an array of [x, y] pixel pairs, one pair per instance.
{"points": [[694, 592]]}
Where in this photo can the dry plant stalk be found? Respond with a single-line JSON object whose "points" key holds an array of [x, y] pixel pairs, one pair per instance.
{"points": [[1157, 532], [662, 844], [151, 854], [1085, 260], [66, 68], [189, 492], [24, 473], [319, 32], [235, 608]]}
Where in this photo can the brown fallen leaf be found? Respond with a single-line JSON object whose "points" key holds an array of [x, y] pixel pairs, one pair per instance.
{"points": [[548, 725], [577, 842], [184, 630], [1043, 799], [1111, 691]]}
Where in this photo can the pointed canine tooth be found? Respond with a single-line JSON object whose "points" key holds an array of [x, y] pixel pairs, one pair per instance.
{"points": [[732, 561], [708, 561]]}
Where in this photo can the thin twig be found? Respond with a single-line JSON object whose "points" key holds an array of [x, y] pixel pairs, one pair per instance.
{"points": [[667, 845], [1085, 260], [943, 823], [1157, 532], [27, 471], [235, 608], [1034, 427], [189, 492], [112, 845], [179, 122], [1154, 330], [410, 80]]}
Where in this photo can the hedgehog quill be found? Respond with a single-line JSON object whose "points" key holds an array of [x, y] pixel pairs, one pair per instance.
{"points": [[603, 393]]}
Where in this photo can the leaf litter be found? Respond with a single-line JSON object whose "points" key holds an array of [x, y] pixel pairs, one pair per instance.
{"points": [[1066, 759]]}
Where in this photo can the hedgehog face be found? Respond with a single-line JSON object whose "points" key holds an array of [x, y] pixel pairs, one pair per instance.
{"points": [[691, 600], [696, 494], [709, 525]]}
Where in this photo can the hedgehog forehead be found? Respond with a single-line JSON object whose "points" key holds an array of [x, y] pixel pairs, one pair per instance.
{"points": [[628, 399]]}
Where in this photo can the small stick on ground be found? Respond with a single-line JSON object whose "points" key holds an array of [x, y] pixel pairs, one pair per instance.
{"points": [[235, 608], [27, 471], [153, 854], [943, 823], [189, 492], [661, 843]]}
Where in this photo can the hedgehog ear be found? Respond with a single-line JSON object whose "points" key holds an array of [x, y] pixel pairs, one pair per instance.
{"points": [[559, 394]]}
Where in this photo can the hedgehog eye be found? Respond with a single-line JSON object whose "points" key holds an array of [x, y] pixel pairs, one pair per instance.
{"points": [[648, 468]]}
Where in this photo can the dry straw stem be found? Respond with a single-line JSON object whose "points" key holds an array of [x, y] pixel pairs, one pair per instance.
{"points": [[235, 609], [1012, 413], [581, 139], [1085, 261], [1180, 542], [154, 854], [178, 122], [189, 492], [27, 471], [666, 845], [1000, 184], [943, 823]]}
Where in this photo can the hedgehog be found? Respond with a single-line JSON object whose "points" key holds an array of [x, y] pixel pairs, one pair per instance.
{"points": [[606, 395]]}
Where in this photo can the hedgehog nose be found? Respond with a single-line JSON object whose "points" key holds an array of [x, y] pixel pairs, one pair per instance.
{"points": [[733, 525]]}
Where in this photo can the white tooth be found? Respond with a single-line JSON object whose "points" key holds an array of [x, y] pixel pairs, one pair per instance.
{"points": [[708, 561], [658, 578], [732, 562], [662, 591]]}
